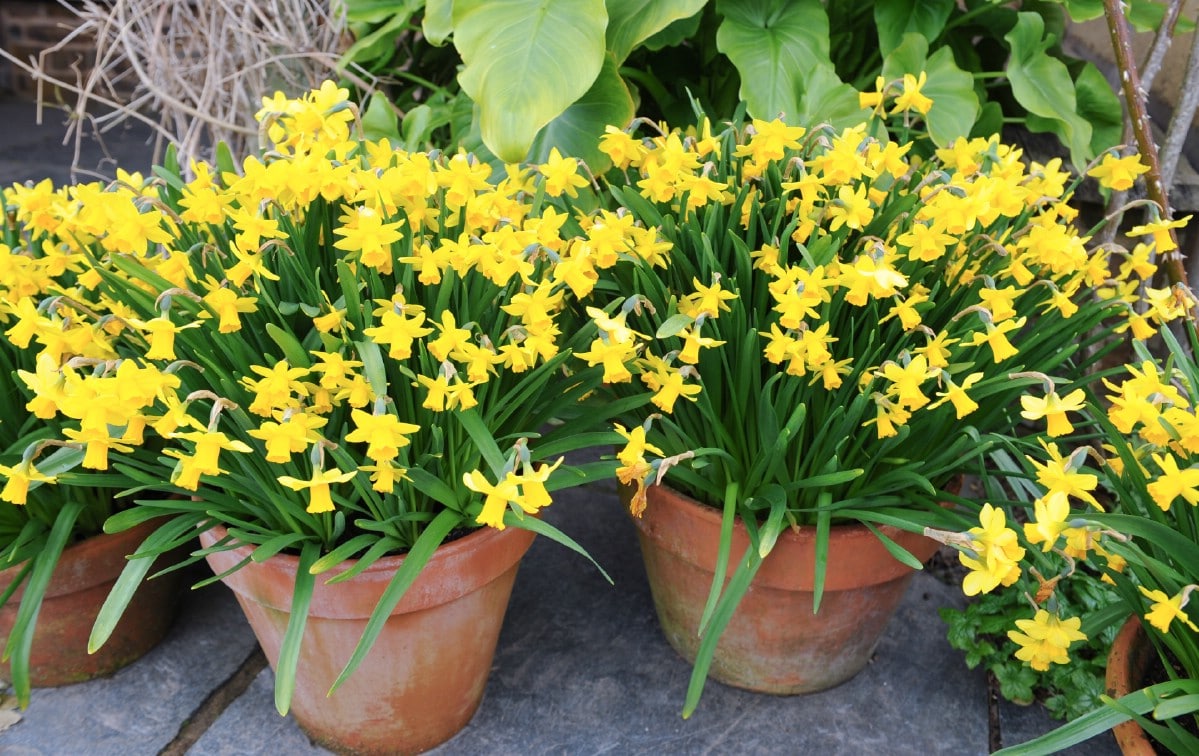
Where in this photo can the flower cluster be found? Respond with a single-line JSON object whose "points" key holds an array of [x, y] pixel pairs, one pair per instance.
{"points": [[899, 302], [1129, 510], [327, 311], [336, 348]]}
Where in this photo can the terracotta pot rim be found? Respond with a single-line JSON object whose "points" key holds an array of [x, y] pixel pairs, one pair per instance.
{"points": [[85, 552], [359, 596], [781, 569], [477, 538], [806, 532]]}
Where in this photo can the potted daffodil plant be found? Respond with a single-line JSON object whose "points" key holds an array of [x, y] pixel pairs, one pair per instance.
{"points": [[366, 392], [832, 327], [58, 381]]}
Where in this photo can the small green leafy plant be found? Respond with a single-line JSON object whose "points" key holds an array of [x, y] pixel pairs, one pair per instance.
{"points": [[980, 631]]}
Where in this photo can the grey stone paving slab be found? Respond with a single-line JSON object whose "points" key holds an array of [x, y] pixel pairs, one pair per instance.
{"points": [[583, 668], [139, 709], [1023, 723], [252, 726]]}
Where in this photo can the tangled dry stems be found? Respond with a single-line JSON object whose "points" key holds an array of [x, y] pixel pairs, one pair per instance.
{"points": [[194, 72]]}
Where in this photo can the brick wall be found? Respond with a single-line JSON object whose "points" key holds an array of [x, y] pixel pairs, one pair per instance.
{"points": [[27, 27]]}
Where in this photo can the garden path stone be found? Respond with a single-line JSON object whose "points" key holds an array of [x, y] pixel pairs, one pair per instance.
{"points": [[583, 668], [140, 709]]}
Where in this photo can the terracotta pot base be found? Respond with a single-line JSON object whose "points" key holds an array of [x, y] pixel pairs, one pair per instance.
{"points": [[774, 643], [81, 581], [424, 678]]}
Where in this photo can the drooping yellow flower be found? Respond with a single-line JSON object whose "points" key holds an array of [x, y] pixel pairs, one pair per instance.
{"points": [[499, 495], [291, 436], [911, 98], [561, 175], [400, 325], [995, 337], [1063, 474], [205, 456], [621, 148], [384, 476], [1173, 482], [906, 380], [274, 390], [851, 209], [19, 476], [532, 486], [1165, 609], [1163, 240], [320, 498], [1045, 639], [365, 231], [162, 331], [706, 300], [384, 434], [668, 383], [47, 383], [1051, 513], [693, 342], [956, 394], [97, 443], [1053, 408], [227, 306], [613, 355], [1118, 173], [996, 553]]}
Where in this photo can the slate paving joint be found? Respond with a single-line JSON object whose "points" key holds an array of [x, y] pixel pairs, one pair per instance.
{"points": [[194, 727]]}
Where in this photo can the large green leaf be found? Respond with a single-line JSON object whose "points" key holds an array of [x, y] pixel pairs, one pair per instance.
{"points": [[631, 22], [525, 61], [577, 131], [1084, 10], [827, 99], [374, 11], [897, 18], [1098, 104], [438, 23], [379, 44], [955, 104], [774, 44], [1042, 85]]}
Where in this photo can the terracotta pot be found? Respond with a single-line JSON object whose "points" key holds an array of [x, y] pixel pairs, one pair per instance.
{"points": [[80, 584], [1127, 663], [774, 643], [425, 675]]}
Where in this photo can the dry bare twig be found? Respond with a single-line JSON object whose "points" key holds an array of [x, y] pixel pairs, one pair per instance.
{"points": [[195, 72]]}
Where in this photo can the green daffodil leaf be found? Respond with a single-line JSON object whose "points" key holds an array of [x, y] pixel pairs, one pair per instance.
{"points": [[526, 61]]}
